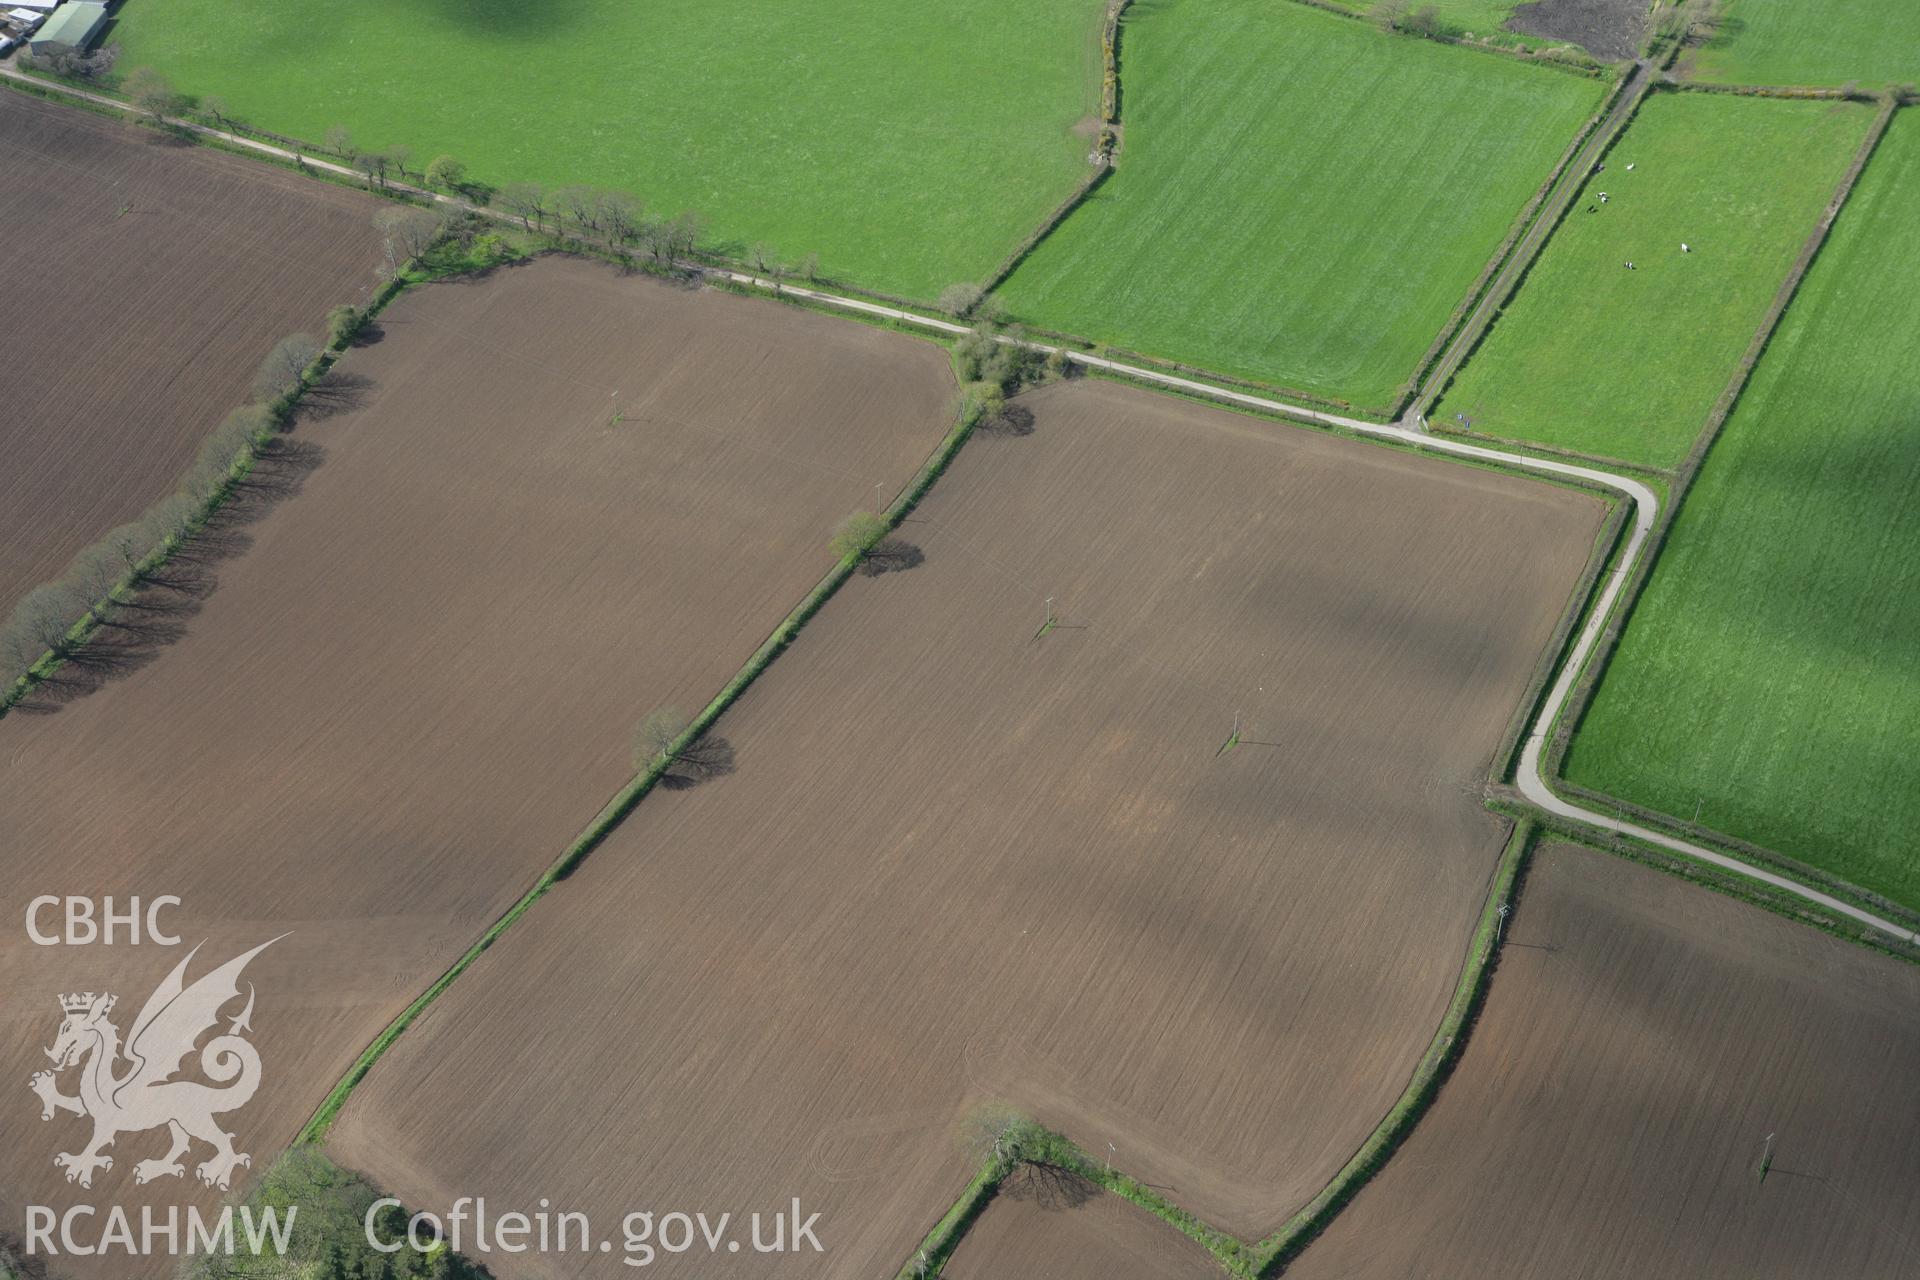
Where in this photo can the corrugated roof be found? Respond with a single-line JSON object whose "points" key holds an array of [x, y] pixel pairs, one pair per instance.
{"points": [[73, 23]]}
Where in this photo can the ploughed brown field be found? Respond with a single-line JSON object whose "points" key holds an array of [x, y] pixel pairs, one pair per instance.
{"points": [[145, 280], [959, 863], [1050, 1226], [420, 674], [1642, 1038]]}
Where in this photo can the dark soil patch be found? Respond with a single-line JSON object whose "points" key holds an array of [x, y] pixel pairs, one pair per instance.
{"points": [[1612, 30]]}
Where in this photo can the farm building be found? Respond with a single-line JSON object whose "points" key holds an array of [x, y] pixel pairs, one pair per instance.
{"points": [[74, 24]]}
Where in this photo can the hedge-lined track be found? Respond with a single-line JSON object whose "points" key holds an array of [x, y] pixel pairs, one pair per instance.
{"points": [[421, 670], [144, 282], [1641, 1039], [960, 862]]}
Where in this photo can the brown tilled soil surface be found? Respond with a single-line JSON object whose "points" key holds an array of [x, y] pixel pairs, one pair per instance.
{"points": [[958, 863], [144, 282], [1611, 30], [1046, 1225], [1642, 1038], [420, 674]]}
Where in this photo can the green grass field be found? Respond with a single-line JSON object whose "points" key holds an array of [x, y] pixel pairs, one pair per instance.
{"points": [[1814, 42], [1627, 364], [1771, 672], [1300, 199], [909, 145]]}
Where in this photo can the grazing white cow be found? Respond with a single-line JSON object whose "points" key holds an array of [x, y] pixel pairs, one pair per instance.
{"points": [[1685, 247]]}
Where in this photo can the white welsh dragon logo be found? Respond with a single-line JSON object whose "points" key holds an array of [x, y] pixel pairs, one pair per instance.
{"points": [[145, 1096]]}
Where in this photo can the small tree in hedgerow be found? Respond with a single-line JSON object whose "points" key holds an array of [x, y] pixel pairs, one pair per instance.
{"points": [[656, 735], [446, 173], [859, 534], [959, 300]]}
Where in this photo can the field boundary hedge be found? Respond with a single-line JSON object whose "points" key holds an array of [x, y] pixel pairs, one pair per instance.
{"points": [[1103, 155], [1772, 90], [1731, 884], [1760, 855], [1029, 1143], [278, 413], [624, 801]]}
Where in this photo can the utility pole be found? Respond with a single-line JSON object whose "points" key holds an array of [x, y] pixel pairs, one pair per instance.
{"points": [[1766, 1158], [1506, 908]]}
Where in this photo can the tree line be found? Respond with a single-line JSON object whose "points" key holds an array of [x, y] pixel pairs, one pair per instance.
{"points": [[101, 577]]}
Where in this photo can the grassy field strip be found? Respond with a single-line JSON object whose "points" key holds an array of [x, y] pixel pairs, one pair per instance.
{"points": [[1625, 364], [1783, 604], [1559, 744], [845, 128], [1813, 42]]}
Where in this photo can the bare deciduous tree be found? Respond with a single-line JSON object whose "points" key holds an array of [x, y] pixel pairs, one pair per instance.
{"points": [[580, 203], [408, 233], [339, 141], [959, 300], [656, 735], [526, 201], [151, 93], [682, 234], [47, 613], [620, 213], [130, 544], [281, 371], [96, 571]]}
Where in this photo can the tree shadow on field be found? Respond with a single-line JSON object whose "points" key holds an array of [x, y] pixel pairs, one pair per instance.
{"points": [[371, 334], [134, 632], [891, 555], [704, 760], [1048, 1187], [337, 393], [1013, 421]]}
